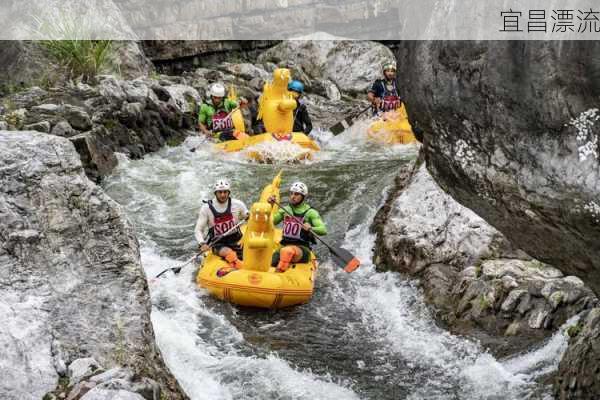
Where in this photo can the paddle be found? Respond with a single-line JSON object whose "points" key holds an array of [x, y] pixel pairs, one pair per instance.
{"points": [[178, 268], [346, 122], [347, 259], [193, 149]]}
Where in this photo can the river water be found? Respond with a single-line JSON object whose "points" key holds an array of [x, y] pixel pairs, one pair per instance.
{"points": [[365, 335]]}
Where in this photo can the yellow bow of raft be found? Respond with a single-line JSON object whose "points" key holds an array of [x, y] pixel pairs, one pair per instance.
{"points": [[276, 109], [257, 284], [392, 128]]}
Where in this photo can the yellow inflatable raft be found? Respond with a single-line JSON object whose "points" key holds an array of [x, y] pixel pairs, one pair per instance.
{"points": [[392, 128], [276, 109], [257, 284]]}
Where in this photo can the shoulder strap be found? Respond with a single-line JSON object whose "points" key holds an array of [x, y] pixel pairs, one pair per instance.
{"points": [[213, 210]]}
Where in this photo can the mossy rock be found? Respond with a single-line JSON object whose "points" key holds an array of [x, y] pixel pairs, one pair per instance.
{"points": [[174, 141], [574, 330]]}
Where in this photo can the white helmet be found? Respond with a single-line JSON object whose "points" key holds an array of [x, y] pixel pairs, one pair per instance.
{"points": [[390, 65], [299, 187], [217, 90], [222, 184]]}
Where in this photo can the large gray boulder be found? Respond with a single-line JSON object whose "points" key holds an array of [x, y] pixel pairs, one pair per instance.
{"points": [[71, 283], [511, 132], [330, 60], [425, 226]]}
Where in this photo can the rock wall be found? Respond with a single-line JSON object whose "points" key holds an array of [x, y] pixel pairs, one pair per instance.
{"points": [[259, 19], [71, 282], [173, 57], [511, 132]]}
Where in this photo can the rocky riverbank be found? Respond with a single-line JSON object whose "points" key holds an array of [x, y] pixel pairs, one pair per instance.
{"points": [[138, 116], [510, 132], [478, 282]]}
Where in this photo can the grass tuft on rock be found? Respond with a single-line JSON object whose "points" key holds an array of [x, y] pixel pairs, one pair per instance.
{"points": [[83, 59], [66, 40]]}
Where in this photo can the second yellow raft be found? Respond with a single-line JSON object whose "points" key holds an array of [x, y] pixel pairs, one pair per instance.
{"points": [[276, 109]]}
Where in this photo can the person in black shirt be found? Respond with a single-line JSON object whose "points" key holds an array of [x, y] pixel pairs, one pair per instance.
{"points": [[384, 94], [302, 122]]}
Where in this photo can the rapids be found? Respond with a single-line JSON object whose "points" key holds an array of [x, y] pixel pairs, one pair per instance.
{"points": [[366, 335]]}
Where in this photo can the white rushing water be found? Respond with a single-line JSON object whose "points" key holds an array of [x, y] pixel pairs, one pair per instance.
{"points": [[366, 335]]}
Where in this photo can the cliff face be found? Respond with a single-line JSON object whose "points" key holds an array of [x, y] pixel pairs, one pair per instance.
{"points": [[511, 133], [71, 281]]}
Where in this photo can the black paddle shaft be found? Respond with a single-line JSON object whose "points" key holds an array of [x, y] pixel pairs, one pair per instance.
{"points": [[212, 242], [346, 122], [338, 252]]}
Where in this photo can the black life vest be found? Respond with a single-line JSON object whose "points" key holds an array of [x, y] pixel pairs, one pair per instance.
{"points": [[391, 97], [292, 230], [222, 223]]}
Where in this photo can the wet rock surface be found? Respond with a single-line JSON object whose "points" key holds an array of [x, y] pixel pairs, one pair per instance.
{"points": [[579, 368], [478, 282], [89, 380], [71, 283]]}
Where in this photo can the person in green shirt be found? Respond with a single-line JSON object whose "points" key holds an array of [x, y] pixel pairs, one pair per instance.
{"points": [[298, 231], [214, 119]]}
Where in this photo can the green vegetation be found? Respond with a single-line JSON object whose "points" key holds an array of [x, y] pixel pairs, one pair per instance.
{"points": [[110, 124], [154, 75], [574, 330], [15, 118], [120, 350], [174, 141], [535, 264], [484, 303], [83, 59], [65, 40]]}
